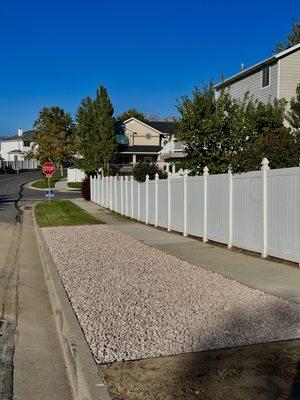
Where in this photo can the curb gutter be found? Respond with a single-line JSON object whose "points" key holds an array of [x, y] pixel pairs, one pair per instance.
{"points": [[82, 371]]}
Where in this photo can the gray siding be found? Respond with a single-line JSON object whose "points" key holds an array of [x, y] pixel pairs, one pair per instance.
{"points": [[289, 73], [252, 84]]}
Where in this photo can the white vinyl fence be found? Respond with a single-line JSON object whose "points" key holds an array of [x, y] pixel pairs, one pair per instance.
{"points": [[257, 211], [75, 175]]}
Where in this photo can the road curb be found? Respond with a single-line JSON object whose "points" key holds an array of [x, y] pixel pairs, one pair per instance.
{"points": [[82, 371]]}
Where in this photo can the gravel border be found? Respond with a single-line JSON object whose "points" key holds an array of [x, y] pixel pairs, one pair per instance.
{"points": [[134, 301]]}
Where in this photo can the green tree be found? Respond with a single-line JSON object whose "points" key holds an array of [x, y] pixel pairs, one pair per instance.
{"points": [[216, 129], [104, 127], [54, 139], [132, 112], [142, 169], [293, 115], [96, 132], [292, 38], [85, 129], [280, 146]]}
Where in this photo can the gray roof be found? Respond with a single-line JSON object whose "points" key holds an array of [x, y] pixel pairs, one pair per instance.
{"points": [[163, 126], [256, 67], [27, 136]]}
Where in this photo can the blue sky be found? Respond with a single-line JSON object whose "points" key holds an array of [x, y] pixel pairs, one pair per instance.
{"points": [[147, 54]]}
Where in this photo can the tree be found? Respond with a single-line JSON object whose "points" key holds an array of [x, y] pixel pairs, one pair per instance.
{"points": [[132, 112], [292, 38], [85, 130], [142, 169], [280, 146], [95, 132], [293, 115], [54, 139], [104, 127], [215, 130]]}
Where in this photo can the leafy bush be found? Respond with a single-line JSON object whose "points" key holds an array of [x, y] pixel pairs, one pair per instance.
{"points": [[142, 169], [85, 189]]}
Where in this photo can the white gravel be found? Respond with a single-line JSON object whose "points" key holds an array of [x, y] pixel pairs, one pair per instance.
{"points": [[134, 301]]}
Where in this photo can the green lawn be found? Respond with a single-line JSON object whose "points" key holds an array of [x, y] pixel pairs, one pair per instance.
{"points": [[43, 183], [75, 185], [62, 213]]}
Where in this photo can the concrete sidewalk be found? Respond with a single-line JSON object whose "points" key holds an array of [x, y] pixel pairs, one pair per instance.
{"points": [[271, 277], [39, 369], [62, 186]]}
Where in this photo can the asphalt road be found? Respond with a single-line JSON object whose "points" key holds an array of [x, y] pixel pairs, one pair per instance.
{"points": [[9, 193], [13, 195]]}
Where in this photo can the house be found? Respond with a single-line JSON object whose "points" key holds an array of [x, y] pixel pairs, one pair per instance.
{"points": [[274, 78], [151, 141], [14, 149]]}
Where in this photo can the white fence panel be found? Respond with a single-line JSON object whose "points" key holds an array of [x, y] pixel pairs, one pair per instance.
{"points": [[177, 204], [162, 206], [143, 202], [218, 208], [283, 194], [248, 211], [195, 204], [135, 199], [151, 202], [129, 198]]}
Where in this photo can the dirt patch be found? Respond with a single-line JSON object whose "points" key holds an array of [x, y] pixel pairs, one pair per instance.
{"points": [[259, 372]]}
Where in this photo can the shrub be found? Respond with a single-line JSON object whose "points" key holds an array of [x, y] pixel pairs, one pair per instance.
{"points": [[85, 189], [142, 169]]}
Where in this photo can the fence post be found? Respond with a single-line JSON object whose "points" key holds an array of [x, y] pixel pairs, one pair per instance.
{"points": [[185, 182], [110, 192], [230, 183], [116, 197], [205, 175], [97, 190], [131, 188], [122, 200], [265, 167], [91, 188], [102, 190], [169, 201], [126, 196], [139, 203], [156, 199], [147, 199]]}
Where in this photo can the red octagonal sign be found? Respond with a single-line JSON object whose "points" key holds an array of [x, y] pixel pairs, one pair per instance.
{"points": [[48, 168]]}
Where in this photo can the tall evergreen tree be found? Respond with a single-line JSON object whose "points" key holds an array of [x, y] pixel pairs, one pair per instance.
{"points": [[292, 38], [104, 127], [293, 115], [96, 132]]}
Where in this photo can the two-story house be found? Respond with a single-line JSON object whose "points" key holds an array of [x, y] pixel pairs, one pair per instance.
{"points": [[14, 149], [151, 141], [274, 78]]}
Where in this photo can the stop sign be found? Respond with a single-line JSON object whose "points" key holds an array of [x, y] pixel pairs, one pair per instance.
{"points": [[48, 168]]}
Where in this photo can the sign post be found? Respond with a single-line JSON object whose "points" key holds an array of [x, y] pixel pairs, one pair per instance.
{"points": [[49, 169]]}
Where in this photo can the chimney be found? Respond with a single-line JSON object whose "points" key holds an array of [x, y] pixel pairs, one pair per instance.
{"points": [[20, 132], [243, 66]]}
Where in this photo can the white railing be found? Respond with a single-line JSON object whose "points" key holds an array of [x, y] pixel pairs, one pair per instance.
{"points": [[257, 211], [178, 146]]}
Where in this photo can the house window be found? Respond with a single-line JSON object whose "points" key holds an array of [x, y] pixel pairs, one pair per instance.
{"points": [[265, 77], [26, 144]]}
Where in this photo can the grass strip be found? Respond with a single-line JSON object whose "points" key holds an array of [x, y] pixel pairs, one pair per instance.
{"points": [[75, 185], [43, 183], [62, 213]]}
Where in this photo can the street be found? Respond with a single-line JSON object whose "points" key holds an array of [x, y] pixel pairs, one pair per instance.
{"points": [[18, 249]]}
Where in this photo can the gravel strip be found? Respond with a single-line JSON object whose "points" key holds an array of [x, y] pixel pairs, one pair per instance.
{"points": [[134, 301]]}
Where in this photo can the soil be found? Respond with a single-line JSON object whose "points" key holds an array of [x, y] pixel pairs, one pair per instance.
{"points": [[258, 372]]}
